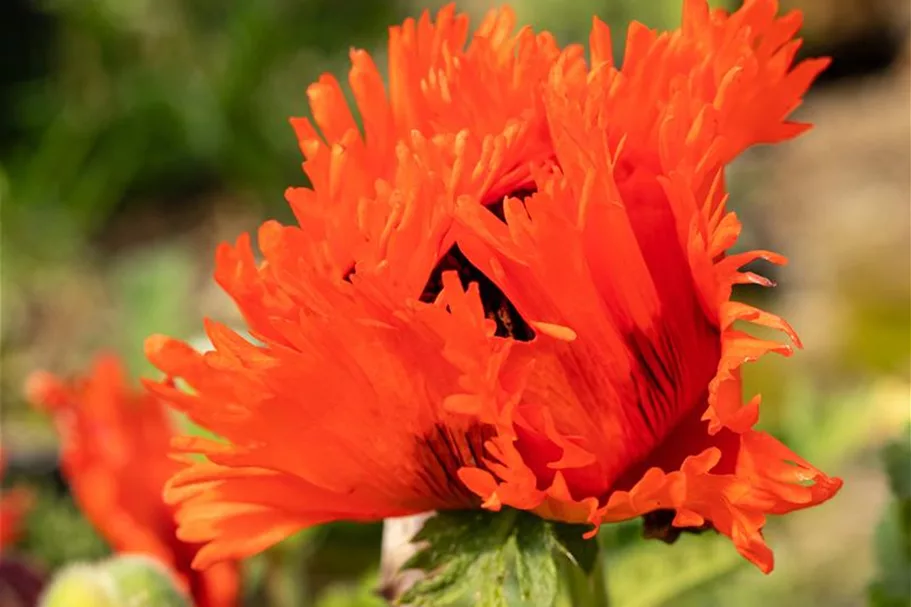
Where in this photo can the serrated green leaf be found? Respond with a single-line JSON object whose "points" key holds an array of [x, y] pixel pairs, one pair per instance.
{"points": [[536, 569], [491, 585], [464, 555], [489, 559]]}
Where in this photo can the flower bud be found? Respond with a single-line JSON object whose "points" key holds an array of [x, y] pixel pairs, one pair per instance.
{"points": [[78, 585], [134, 580]]}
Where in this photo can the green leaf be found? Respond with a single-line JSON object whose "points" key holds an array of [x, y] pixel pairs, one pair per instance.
{"points": [[489, 559], [536, 569], [461, 547]]}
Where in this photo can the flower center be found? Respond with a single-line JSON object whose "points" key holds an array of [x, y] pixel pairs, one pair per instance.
{"points": [[497, 306]]}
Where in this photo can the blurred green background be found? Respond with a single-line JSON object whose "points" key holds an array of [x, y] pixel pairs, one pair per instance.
{"points": [[136, 134]]}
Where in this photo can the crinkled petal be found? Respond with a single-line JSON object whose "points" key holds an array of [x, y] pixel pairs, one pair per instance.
{"points": [[768, 479]]}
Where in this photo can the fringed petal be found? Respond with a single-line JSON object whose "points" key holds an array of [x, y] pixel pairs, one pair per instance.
{"points": [[768, 479], [286, 412]]}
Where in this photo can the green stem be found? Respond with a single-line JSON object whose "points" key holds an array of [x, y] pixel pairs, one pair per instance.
{"points": [[599, 581], [286, 582], [588, 590]]}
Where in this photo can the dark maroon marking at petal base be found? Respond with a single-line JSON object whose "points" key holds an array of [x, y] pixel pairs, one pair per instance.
{"points": [[496, 305], [444, 451]]}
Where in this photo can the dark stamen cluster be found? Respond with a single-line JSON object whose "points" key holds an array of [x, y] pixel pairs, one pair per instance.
{"points": [[497, 306]]}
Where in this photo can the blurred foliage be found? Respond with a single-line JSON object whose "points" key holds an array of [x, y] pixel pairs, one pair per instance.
{"points": [[163, 277], [878, 335], [650, 574], [892, 587], [571, 22], [164, 99], [362, 594], [57, 533]]}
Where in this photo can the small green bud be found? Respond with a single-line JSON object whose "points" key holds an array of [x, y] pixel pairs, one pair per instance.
{"points": [[122, 581], [78, 585], [144, 582]]}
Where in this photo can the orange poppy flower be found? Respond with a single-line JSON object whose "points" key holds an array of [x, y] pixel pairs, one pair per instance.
{"points": [[577, 359], [14, 505], [114, 456]]}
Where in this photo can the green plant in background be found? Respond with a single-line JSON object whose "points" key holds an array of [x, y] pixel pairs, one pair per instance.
{"points": [[686, 570], [571, 21], [146, 110], [157, 100], [56, 532], [878, 334], [892, 587], [335, 562], [153, 286]]}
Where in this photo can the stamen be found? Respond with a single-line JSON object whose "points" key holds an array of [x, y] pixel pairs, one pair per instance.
{"points": [[497, 306]]}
